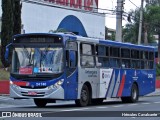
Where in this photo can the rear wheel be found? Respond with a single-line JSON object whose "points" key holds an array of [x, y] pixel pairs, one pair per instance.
{"points": [[40, 102], [134, 95], [84, 97]]}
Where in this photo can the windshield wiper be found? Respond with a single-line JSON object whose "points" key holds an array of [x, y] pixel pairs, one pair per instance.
{"points": [[28, 55], [44, 55]]}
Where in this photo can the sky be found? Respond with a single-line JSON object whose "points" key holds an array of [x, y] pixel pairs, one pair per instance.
{"points": [[110, 20]]}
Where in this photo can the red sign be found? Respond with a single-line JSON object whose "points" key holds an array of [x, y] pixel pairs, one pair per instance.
{"points": [[20, 83], [25, 70], [87, 5]]}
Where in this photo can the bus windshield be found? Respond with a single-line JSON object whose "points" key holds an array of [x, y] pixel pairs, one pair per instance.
{"points": [[38, 60]]}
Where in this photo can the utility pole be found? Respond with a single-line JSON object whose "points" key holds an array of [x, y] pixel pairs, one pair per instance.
{"points": [[140, 23], [119, 20]]}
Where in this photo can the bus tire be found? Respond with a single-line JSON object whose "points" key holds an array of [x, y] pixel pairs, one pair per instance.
{"points": [[84, 97], [40, 102], [134, 95]]}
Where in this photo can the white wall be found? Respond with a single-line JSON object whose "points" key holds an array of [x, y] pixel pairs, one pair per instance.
{"points": [[38, 18]]}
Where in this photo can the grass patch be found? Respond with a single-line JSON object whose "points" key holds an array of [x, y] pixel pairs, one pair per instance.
{"points": [[4, 75], [157, 77]]}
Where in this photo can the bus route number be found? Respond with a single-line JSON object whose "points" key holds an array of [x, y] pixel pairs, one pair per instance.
{"points": [[41, 84], [150, 75]]}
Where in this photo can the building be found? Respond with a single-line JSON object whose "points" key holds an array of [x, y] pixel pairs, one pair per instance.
{"points": [[78, 16]]}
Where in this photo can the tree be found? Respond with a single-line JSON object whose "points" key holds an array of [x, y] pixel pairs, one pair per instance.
{"points": [[130, 32], [11, 24], [154, 12], [7, 27], [17, 16]]}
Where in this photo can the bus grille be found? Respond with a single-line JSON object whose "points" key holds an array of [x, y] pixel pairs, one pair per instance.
{"points": [[38, 94]]}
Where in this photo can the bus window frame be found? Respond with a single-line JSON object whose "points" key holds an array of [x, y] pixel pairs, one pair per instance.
{"points": [[66, 55], [92, 55], [125, 58]]}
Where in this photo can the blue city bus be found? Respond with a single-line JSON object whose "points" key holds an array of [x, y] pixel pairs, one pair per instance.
{"points": [[63, 66]]}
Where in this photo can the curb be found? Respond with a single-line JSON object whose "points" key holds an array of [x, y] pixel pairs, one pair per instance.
{"points": [[4, 87], [157, 83]]}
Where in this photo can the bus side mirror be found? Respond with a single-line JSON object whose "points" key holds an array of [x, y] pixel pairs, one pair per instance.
{"points": [[6, 56]]}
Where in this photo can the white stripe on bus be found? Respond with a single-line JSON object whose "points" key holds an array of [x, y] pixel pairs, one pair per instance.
{"points": [[116, 85], [111, 85]]}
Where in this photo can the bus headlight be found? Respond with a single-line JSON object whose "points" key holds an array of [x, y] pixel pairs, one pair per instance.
{"points": [[57, 84], [14, 85]]}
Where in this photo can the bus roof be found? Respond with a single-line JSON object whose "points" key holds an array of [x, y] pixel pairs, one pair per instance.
{"points": [[94, 40]]}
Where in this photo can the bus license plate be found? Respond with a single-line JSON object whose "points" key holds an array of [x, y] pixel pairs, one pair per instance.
{"points": [[32, 93]]}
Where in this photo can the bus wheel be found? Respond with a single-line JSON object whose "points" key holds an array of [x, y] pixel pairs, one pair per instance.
{"points": [[134, 95], [84, 97], [40, 102]]}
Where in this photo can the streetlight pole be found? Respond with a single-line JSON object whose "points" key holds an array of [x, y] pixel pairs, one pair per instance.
{"points": [[140, 23], [119, 20]]}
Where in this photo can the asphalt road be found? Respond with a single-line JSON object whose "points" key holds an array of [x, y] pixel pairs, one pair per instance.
{"points": [[109, 109]]}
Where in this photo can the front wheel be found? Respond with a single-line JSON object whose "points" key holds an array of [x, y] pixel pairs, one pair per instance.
{"points": [[84, 97], [40, 102]]}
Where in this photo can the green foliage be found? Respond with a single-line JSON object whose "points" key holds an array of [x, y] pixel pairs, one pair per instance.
{"points": [[4, 74], [130, 33], [151, 24], [7, 27], [17, 16], [158, 70], [11, 24]]}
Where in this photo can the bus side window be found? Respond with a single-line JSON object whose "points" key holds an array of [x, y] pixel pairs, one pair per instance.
{"points": [[87, 55]]}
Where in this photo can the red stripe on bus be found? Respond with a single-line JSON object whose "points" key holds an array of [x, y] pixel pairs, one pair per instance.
{"points": [[121, 86], [20, 83]]}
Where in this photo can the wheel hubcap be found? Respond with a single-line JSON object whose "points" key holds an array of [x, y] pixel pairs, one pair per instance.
{"points": [[134, 93], [84, 95]]}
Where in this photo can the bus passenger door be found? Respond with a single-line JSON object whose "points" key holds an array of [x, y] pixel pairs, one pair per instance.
{"points": [[71, 74]]}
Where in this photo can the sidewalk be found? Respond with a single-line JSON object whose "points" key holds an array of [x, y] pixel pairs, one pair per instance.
{"points": [[156, 93]]}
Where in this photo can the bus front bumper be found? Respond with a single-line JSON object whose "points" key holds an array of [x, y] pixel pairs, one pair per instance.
{"points": [[46, 93]]}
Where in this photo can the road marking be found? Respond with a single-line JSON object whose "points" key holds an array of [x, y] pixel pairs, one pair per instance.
{"points": [[101, 107], [74, 109], [146, 103], [6, 99], [16, 106], [119, 106], [156, 102], [132, 104]]}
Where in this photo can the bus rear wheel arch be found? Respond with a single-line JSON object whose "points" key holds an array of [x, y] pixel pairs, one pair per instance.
{"points": [[85, 96], [134, 95]]}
